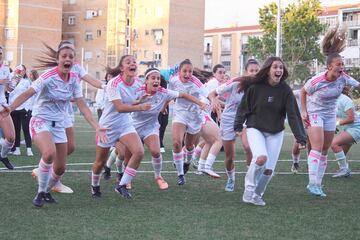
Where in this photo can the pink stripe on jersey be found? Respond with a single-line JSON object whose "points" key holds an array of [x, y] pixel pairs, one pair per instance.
{"points": [[229, 82], [196, 81], [345, 75], [164, 90], [50, 73], [130, 171], [318, 79], [117, 80]]}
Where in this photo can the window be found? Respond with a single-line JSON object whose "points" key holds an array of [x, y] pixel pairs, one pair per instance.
{"points": [[9, 33], [157, 56], [71, 39], [88, 36], [97, 75], [127, 43], [146, 53], [147, 32], [98, 33], [90, 14], [71, 20], [87, 56], [127, 22], [226, 43]]}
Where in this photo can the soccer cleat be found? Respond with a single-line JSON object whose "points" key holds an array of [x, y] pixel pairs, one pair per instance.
{"points": [[314, 190], [61, 188], [211, 173], [39, 199], [123, 191], [29, 152], [7, 163], [322, 194], [95, 191], [186, 167], [257, 200], [295, 168], [107, 173], [200, 173], [118, 178], [247, 196], [230, 185], [342, 172], [181, 180], [161, 183], [17, 152], [162, 150], [48, 198]]}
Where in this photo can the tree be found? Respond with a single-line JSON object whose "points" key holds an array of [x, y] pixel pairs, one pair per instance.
{"points": [[301, 29]]}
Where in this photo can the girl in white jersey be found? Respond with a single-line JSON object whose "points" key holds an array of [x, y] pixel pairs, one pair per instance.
{"points": [[187, 116], [55, 88], [45, 63], [318, 106], [6, 123], [146, 122], [116, 117]]}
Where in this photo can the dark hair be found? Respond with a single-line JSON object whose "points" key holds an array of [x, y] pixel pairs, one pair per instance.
{"points": [[263, 74], [244, 82], [151, 69], [24, 67], [163, 82], [51, 55], [35, 74], [251, 61], [216, 67], [202, 75], [116, 71], [185, 62], [334, 43]]}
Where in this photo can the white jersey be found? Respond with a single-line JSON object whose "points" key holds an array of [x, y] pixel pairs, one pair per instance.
{"points": [[230, 88], [322, 93], [118, 89], [343, 104], [297, 97], [157, 101], [4, 74], [212, 84], [80, 72], [21, 87], [193, 87], [54, 95]]}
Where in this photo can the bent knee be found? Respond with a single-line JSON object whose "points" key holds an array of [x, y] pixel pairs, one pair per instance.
{"points": [[268, 172], [261, 160]]}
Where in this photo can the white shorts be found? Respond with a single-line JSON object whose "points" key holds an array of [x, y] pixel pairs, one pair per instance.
{"points": [[56, 129], [192, 122], [114, 133], [69, 121], [146, 131], [328, 123], [227, 131]]}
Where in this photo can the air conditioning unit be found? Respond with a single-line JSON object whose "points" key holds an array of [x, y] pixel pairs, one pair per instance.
{"points": [[94, 13], [158, 41]]}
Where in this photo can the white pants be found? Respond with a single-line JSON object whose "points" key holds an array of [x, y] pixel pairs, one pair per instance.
{"points": [[265, 144]]}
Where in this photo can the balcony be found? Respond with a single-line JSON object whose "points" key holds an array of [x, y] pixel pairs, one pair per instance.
{"points": [[353, 43], [352, 23]]}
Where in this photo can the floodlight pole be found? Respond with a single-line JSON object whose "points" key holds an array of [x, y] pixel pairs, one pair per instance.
{"points": [[278, 30]]}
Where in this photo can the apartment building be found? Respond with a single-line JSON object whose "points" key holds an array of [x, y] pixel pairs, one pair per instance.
{"points": [[25, 24]]}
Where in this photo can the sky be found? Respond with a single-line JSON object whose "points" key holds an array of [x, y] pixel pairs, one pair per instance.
{"points": [[227, 13]]}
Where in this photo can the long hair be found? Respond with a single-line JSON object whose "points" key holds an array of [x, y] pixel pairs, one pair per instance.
{"points": [[334, 43], [263, 75], [244, 82], [202, 75], [50, 55], [116, 70]]}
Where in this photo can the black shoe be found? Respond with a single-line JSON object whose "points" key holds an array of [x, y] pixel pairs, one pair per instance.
{"points": [[186, 167], [7, 163], [107, 173], [123, 191], [48, 198], [118, 178], [95, 191], [39, 199], [181, 180]]}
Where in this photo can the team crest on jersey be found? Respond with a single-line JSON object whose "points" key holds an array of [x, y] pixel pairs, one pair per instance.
{"points": [[270, 99]]}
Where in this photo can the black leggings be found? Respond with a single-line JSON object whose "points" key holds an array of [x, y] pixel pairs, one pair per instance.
{"points": [[163, 121], [21, 118]]}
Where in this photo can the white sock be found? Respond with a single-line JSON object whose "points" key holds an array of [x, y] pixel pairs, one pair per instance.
{"points": [[188, 155], [119, 165], [263, 182], [341, 160], [111, 159], [231, 174], [313, 166], [197, 152], [95, 179], [178, 159], [5, 147], [43, 175], [157, 165], [295, 158], [321, 169], [129, 174], [252, 176], [54, 179], [210, 161], [201, 165]]}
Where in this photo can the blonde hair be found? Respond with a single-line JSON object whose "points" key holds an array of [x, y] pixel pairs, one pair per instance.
{"points": [[334, 43]]}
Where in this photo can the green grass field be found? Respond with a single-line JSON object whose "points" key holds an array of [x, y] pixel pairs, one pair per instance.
{"points": [[199, 210]]}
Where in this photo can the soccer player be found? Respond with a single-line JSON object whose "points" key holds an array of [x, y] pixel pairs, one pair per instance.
{"points": [[264, 107], [318, 106], [121, 91], [187, 116], [146, 122], [55, 88]]}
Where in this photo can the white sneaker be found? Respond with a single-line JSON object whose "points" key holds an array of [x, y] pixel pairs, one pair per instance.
{"points": [[29, 152], [162, 150], [257, 200], [17, 152], [342, 172], [211, 173], [61, 188], [247, 196], [22, 142]]}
